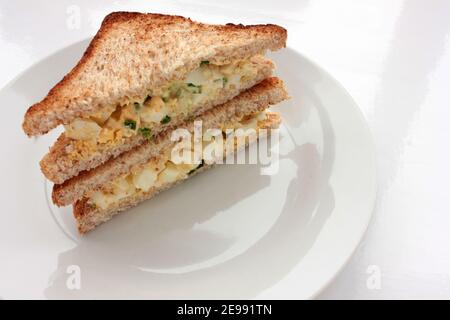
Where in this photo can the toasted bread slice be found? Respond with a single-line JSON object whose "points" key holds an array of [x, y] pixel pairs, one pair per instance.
{"points": [[89, 215], [256, 99], [67, 157], [135, 52]]}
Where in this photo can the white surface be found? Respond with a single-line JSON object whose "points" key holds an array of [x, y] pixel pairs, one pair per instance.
{"points": [[394, 59]]}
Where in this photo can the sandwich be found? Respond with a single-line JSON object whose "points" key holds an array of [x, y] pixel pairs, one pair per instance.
{"points": [[141, 74], [143, 77]]}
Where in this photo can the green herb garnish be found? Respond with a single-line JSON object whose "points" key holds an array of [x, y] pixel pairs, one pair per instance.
{"points": [[166, 119], [147, 98], [145, 132], [130, 124], [194, 89], [204, 62], [137, 106], [223, 80]]}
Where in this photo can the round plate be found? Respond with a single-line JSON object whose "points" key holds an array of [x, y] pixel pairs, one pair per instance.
{"points": [[237, 231]]}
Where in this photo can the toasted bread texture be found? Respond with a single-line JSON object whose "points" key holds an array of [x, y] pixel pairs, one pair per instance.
{"points": [[58, 165], [256, 99], [89, 217], [134, 52]]}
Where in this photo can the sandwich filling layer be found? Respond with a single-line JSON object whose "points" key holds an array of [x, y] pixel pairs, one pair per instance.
{"points": [[177, 99], [164, 170]]}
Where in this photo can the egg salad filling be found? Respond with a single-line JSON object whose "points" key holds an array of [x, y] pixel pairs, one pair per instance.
{"points": [[162, 171], [113, 124]]}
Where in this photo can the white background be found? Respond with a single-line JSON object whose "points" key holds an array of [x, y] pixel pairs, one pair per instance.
{"points": [[393, 56]]}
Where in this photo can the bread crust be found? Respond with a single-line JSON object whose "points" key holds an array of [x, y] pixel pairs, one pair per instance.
{"points": [[133, 52], [58, 166], [89, 217], [258, 98]]}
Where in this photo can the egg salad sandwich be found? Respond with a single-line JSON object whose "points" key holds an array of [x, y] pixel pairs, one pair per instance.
{"points": [[141, 173], [143, 77], [143, 74]]}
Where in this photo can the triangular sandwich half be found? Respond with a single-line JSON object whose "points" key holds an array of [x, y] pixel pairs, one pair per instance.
{"points": [[143, 74]]}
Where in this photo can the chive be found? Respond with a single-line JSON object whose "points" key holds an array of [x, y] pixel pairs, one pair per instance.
{"points": [[165, 99], [166, 119], [223, 80], [204, 62], [195, 89], [137, 106], [145, 132], [130, 124]]}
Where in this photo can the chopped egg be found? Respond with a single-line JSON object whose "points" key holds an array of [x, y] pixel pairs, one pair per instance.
{"points": [[196, 77], [81, 129], [164, 171], [101, 200], [122, 187], [234, 81], [117, 189], [113, 123], [261, 116], [101, 116], [145, 178], [154, 111], [170, 174]]}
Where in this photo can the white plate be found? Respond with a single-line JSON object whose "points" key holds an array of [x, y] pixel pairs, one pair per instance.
{"points": [[228, 233]]}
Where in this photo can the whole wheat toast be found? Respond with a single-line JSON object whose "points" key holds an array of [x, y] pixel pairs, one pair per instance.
{"points": [[134, 52]]}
